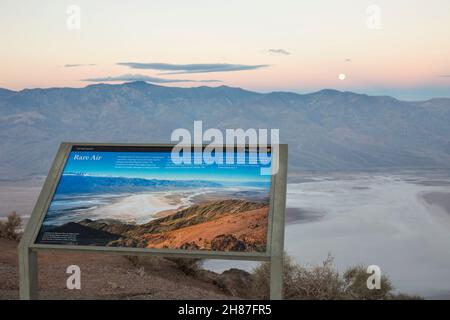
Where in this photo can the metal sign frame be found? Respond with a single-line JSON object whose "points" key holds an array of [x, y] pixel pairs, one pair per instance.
{"points": [[28, 249]]}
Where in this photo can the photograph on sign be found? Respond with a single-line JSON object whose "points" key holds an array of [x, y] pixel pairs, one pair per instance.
{"points": [[141, 198]]}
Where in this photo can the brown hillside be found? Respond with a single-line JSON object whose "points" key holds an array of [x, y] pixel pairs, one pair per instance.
{"points": [[243, 231], [195, 215]]}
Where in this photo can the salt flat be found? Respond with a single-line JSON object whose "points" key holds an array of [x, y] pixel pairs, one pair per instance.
{"points": [[440, 199], [139, 208], [18, 197], [369, 219]]}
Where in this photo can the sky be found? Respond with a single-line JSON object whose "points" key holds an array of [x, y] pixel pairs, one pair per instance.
{"points": [[399, 48], [158, 165]]}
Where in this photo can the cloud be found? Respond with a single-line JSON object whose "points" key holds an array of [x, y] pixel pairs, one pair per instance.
{"points": [[141, 77], [348, 60], [279, 51], [192, 68], [443, 75], [78, 65]]}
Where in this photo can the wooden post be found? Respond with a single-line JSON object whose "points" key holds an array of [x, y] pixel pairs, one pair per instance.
{"points": [[28, 273], [279, 205]]}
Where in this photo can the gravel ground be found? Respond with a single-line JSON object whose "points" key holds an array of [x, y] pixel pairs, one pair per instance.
{"points": [[105, 277]]}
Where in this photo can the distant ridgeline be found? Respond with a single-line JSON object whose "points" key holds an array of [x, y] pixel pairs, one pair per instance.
{"points": [[77, 184], [325, 130]]}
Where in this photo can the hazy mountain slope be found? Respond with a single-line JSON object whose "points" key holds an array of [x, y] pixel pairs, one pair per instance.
{"points": [[83, 184], [326, 130]]}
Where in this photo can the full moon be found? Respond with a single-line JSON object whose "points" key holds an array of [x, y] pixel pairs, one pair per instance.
{"points": [[342, 76]]}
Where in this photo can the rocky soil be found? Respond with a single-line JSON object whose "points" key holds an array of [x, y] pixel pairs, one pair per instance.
{"points": [[106, 276]]}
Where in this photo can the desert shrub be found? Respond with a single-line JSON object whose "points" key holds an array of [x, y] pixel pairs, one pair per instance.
{"points": [[10, 229], [145, 263], [322, 282], [134, 260], [189, 266], [318, 282], [261, 277], [355, 287], [355, 279], [403, 296]]}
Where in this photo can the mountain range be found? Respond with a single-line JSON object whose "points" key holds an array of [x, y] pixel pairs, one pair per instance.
{"points": [[325, 130], [83, 184]]}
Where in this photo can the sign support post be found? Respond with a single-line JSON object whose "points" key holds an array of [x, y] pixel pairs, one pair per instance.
{"points": [[28, 272], [28, 264], [277, 243]]}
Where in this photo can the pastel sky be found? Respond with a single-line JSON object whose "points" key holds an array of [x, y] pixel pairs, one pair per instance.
{"points": [[288, 45]]}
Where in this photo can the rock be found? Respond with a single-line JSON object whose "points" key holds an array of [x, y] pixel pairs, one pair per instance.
{"points": [[227, 243], [125, 242], [233, 282], [189, 246], [236, 282]]}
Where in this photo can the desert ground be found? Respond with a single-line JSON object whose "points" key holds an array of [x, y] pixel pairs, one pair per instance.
{"points": [[116, 277]]}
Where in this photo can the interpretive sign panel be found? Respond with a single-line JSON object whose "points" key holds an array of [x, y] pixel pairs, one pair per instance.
{"points": [[160, 200], [138, 197]]}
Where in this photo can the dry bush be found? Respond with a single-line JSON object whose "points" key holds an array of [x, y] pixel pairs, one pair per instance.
{"points": [[322, 282], [189, 266], [261, 277], [134, 260], [319, 282], [403, 296], [355, 287], [355, 279], [144, 264], [10, 229]]}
